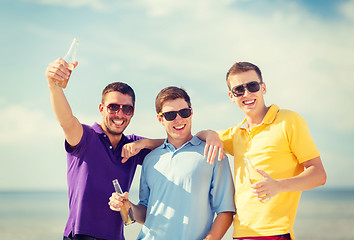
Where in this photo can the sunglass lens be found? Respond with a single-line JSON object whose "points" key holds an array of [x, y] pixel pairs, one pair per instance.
{"points": [[253, 86], [185, 113], [170, 116], [238, 91], [113, 107], [127, 109]]}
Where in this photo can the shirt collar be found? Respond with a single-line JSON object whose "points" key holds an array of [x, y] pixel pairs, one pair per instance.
{"points": [[97, 128], [194, 141], [268, 118]]}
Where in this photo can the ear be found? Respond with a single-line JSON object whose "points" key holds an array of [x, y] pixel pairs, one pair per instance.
{"points": [[264, 88], [159, 118], [100, 108], [231, 96]]}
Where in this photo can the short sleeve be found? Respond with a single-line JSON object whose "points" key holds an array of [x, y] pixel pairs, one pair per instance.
{"points": [[226, 138], [222, 189], [300, 140]]}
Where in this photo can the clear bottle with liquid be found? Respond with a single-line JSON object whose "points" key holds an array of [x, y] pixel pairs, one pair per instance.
{"points": [[253, 175], [126, 212], [70, 58]]}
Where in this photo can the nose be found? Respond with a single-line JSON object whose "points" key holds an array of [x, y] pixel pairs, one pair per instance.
{"points": [[246, 92], [119, 112]]}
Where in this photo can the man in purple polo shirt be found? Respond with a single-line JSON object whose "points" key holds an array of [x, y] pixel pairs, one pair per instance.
{"points": [[96, 155]]}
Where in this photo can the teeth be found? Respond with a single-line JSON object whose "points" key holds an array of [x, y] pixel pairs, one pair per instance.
{"points": [[118, 122], [249, 102], [179, 127]]}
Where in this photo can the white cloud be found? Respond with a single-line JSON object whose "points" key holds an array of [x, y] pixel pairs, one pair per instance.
{"points": [[21, 125], [347, 9], [97, 5]]}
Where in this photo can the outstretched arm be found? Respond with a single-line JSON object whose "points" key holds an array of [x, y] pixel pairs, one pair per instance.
{"points": [[213, 145], [55, 73], [221, 224]]}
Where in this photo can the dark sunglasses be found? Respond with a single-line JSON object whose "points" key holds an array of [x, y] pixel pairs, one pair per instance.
{"points": [[252, 87], [170, 116], [114, 108]]}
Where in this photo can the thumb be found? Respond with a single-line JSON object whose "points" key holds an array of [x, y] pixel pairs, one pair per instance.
{"points": [[75, 64], [124, 159], [263, 173]]}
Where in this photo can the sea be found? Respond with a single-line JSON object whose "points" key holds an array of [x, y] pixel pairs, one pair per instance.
{"points": [[323, 213]]}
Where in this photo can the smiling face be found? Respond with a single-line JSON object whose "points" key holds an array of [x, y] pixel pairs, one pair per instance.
{"points": [[178, 130], [252, 104], [113, 124]]}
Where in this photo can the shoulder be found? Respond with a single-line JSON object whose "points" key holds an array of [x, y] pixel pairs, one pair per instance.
{"points": [[289, 116], [132, 138]]}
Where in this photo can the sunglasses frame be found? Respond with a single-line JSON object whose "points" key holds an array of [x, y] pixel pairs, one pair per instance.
{"points": [[175, 114], [245, 86], [121, 107]]}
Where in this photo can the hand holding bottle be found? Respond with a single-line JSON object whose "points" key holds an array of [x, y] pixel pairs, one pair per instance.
{"points": [[58, 72], [119, 201], [256, 178]]}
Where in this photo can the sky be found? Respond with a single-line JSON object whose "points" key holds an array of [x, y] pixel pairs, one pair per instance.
{"points": [[304, 49]]}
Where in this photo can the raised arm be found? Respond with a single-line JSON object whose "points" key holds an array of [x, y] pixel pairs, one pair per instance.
{"points": [[56, 72], [213, 145]]}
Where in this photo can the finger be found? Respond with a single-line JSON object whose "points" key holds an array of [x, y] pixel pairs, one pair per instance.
{"points": [[124, 159], [221, 154], [210, 149], [213, 156], [59, 71], [114, 206], [206, 148], [263, 173]]}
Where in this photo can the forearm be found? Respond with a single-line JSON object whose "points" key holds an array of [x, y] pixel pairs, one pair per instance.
{"points": [[202, 135], [313, 176], [139, 212], [151, 143], [60, 105], [221, 224], [63, 113]]}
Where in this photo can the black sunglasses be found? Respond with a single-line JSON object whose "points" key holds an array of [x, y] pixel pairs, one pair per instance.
{"points": [[239, 90], [114, 108], [170, 116]]}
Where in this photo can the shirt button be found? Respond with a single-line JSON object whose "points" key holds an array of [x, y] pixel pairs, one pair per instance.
{"points": [[110, 147]]}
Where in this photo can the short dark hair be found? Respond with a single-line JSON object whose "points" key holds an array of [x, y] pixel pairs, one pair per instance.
{"points": [[240, 67], [118, 87], [170, 93]]}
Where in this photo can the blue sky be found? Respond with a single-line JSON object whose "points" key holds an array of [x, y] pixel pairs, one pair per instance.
{"points": [[304, 49]]}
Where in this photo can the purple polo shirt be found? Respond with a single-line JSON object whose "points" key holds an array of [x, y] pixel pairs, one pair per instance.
{"points": [[92, 166]]}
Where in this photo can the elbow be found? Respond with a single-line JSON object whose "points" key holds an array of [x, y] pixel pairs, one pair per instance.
{"points": [[323, 178]]}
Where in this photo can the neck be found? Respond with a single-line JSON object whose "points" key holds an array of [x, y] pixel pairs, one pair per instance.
{"points": [[178, 142], [113, 137], [256, 118]]}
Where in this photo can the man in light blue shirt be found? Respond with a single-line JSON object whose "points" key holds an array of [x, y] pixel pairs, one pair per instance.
{"points": [[180, 192]]}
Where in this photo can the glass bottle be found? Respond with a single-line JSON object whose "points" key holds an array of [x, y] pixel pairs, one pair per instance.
{"points": [[253, 175], [70, 58], [126, 211]]}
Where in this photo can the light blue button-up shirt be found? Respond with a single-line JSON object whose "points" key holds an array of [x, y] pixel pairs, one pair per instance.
{"points": [[182, 192]]}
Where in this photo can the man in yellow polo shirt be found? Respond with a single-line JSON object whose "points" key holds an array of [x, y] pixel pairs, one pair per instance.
{"points": [[278, 144]]}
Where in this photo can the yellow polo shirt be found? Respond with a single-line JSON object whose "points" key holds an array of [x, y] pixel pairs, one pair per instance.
{"points": [[278, 146]]}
